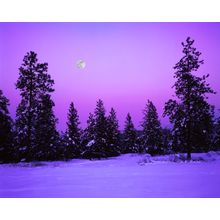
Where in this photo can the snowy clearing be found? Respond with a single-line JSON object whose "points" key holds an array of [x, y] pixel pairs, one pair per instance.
{"points": [[126, 176]]}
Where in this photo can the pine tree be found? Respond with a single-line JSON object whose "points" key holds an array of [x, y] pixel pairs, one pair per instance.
{"points": [[130, 136], [33, 81], [88, 138], [167, 141], [6, 133], [100, 131], [88, 135], [203, 128], [190, 114], [46, 140], [152, 136], [73, 134], [113, 138]]}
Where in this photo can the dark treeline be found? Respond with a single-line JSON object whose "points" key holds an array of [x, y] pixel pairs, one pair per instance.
{"points": [[33, 136]]}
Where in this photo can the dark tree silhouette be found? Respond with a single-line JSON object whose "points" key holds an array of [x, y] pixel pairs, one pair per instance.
{"points": [[47, 138], [73, 134], [166, 141], [95, 137], [216, 138], [88, 138], [33, 82], [6, 133], [130, 136], [113, 135], [100, 129], [88, 135], [191, 115], [152, 136]]}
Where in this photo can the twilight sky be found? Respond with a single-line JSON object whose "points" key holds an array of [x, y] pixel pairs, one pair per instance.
{"points": [[126, 63]]}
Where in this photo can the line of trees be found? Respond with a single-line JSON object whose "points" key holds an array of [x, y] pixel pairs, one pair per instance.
{"points": [[33, 136]]}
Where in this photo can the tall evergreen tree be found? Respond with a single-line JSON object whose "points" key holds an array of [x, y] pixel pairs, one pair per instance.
{"points": [[33, 81], [6, 140], [151, 137], [73, 133], [89, 132], [190, 114], [130, 136], [113, 137], [47, 139], [88, 138], [100, 130], [167, 141]]}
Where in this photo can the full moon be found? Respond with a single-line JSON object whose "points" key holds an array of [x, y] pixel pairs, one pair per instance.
{"points": [[81, 64]]}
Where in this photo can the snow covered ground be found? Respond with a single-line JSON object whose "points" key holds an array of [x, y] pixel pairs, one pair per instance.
{"points": [[129, 175]]}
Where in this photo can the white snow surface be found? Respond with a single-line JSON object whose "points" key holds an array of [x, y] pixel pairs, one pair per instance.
{"points": [[126, 176]]}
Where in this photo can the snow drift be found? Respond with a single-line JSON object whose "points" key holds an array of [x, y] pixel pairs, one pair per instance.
{"points": [[126, 176]]}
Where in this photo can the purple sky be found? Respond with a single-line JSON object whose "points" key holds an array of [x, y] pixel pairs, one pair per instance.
{"points": [[126, 63]]}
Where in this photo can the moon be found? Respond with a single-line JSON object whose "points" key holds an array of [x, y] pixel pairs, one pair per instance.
{"points": [[81, 64]]}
